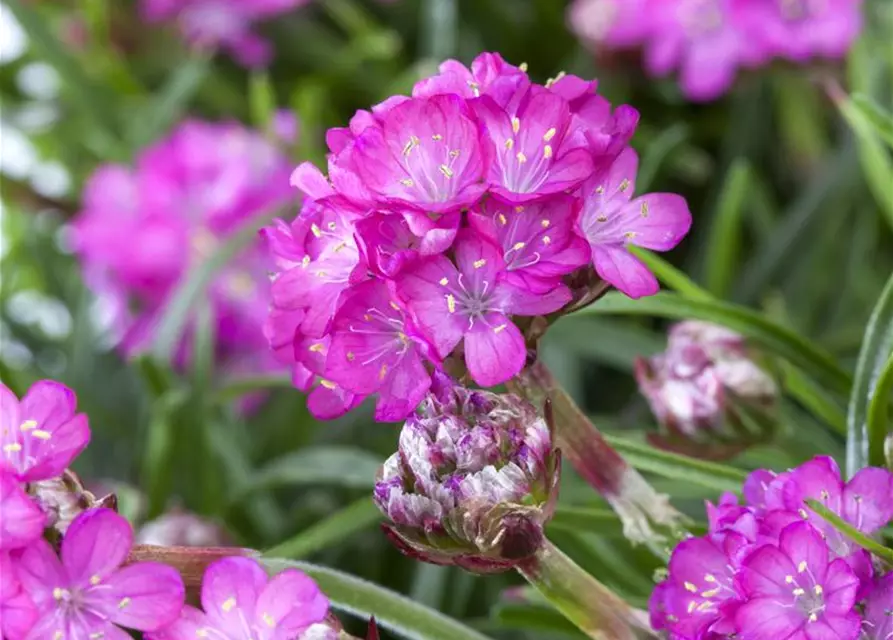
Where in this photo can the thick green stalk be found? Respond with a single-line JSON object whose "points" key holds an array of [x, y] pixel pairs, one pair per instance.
{"points": [[635, 501], [582, 599]]}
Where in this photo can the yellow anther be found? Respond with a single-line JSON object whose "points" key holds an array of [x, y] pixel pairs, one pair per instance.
{"points": [[813, 617], [518, 246], [789, 579], [509, 143], [516, 124], [40, 434], [59, 593], [802, 513], [630, 235], [599, 190], [499, 328], [124, 602], [545, 224], [394, 305], [437, 136], [519, 209], [479, 263], [444, 281], [95, 580], [28, 424], [690, 587], [315, 230], [523, 67], [709, 578], [406, 182], [691, 606], [710, 593], [332, 226], [350, 356], [451, 303], [12, 447], [502, 219], [521, 157], [818, 589], [644, 209], [798, 592], [547, 240], [704, 605], [547, 151], [550, 134], [413, 142], [802, 566], [383, 372], [268, 620], [328, 384], [229, 604], [322, 273], [454, 153], [58, 635], [602, 218], [305, 261], [624, 184], [316, 347], [446, 171]]}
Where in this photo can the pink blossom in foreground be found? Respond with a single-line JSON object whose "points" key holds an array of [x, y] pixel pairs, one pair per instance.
{"points": [[17, 612], [240, 602], [222, 23], [770, 568], [186, 195], [448, 216], [85, 592], [21, 520], [40, 435], [709, 41], [612, 219]]}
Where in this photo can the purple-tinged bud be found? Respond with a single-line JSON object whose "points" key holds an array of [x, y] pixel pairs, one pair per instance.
{"points": [[178, 528], [473, 483], [710, 397], [63, 498]]}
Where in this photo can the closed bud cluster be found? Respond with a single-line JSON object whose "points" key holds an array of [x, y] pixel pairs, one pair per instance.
{"points": [[473, 483], [707, 392]]}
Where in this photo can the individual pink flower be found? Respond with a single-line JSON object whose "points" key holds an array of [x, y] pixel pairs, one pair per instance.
{"points": [[316, 256], [489, 75], [801, 29], [41, 434], [375, 350], [425, 155], [878, 624], [473, 300], [611, 219], [85, 592], [793, 591], [612, 23], [17, 612], [538, 241], [535, 150], [240, 602], [21, 520], [222, 23]]}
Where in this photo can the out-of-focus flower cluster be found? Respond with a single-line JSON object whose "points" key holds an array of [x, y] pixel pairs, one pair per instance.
{"points": [[143, 229], [226, 24], [773, 568], [447, 220], [83, 586], [474, 481], [707, 389], [708, 41]]}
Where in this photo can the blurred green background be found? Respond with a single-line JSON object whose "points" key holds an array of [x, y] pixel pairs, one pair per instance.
{"points": [[792, 216]]}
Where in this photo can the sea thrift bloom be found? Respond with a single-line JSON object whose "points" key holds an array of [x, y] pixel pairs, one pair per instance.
{"points": [[184, 529], [17, 612], [186, 195], [699, 384], [86, 593], [611, 219], [794, 590], [489, 75], [473, 300], [41, 434], [222, 23], [473, 483], [21, 520], [240, 602]]}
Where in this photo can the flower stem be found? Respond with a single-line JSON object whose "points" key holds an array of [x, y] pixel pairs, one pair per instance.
{"points": [[583, 600], [580, 441]]}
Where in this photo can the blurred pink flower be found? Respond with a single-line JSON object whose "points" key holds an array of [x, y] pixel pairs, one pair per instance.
{"points": [[222, 23], [84, 592]]}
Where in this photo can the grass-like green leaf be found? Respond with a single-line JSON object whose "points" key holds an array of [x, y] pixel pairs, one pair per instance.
{"points": [[533, 617], [851, 532], [670, 275], [261, 99], [724, 242], [330, 465], [330, 531], [238, 387], [178, 310], [877, 347], [776, 338], [156, 469], [879, 425], [678, 467], [657, 151], [392, 611], [880, 119]]}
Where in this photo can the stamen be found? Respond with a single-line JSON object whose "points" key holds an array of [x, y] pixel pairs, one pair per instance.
{"points": [[545, 223], [499, 328], [521, 157], [479, 263], [502, 219], [516, 124], [229, 604], [802, 566], [550, 134], [28, 424], [547, 151], [328, 384], [315, 230], [40, 434], [446, 171], [444, 281], [690, 587], [12, 447], [316, 348], [451, 303]]}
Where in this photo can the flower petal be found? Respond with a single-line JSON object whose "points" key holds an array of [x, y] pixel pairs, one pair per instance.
{"points": [[764, 574], [95, 545], [230, 589], [806, 548], [292, 601], [620, 268], [21, 520], [767, 619], [145, 596], [868, 499], [494, 350], [40, 571]]}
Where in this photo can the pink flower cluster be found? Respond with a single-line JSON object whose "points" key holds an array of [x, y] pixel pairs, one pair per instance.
{"points": [[87, 589], [446, 218], [185, 195], [226, 24], [772, 569], [707, 41]]}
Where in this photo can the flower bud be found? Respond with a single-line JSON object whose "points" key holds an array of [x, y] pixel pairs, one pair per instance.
{"points": [[63, 498], [709, 396], [473, 483], [178, 528]]}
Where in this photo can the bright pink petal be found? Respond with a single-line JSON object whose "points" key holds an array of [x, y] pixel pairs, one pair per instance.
{"points": [[310, 180], [426, 289], [40, 571], [186, 627], [767, 619], [21, 520], [527, 303], [841, 586], [868, 499], [494, 350], [292, 601], [145, 596], [834, 627], [230, 589], [95, 545], [806, 547], [765, 574], [403, 390], [620, 268]]}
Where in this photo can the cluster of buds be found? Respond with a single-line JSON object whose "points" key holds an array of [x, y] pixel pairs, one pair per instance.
{"points": [[707, 41], [710, 397], [474, 481], [449, 221]]}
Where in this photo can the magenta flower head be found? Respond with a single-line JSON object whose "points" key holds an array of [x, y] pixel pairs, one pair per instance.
{"points": [[240, 602], [473, 483], [703, 386], [41, 434], [222, 23], [612, 219], [186, 195], [85, 592]]}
